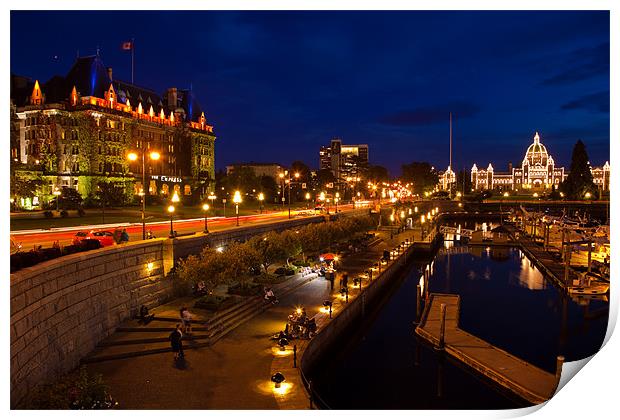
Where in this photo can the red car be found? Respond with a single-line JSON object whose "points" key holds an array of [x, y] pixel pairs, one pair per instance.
{"points": [[105, 238]]}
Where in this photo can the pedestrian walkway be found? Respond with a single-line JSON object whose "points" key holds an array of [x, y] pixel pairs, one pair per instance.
{"points": [[234, 372]]}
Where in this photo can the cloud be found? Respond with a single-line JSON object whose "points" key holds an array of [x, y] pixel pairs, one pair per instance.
{"points": [[594, 102], [582, 64], [430, 115]]}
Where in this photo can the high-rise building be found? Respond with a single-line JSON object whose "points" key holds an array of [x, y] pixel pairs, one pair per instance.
{"points": [[344, 161], [76, 131]]}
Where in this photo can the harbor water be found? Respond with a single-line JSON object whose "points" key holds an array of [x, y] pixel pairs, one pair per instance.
{"points": [[505, 300]]}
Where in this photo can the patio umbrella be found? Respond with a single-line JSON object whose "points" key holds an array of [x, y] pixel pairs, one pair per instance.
{"points": [[327, 257]]}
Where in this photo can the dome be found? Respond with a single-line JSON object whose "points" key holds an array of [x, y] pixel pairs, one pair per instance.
{"points": [[536, 154]]}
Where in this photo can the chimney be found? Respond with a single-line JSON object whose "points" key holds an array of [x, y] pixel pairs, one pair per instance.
{"points": [[110, 73], [510, 167], [172, 98]]}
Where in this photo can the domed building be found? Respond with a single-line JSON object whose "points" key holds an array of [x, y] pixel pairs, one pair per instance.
{"points": [[537, 173]]}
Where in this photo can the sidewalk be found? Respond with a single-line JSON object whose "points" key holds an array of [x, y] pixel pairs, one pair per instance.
{"points": [[233, 373]]}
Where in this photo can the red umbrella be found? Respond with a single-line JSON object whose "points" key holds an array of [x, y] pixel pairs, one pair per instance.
{"points": [[327, 257]]}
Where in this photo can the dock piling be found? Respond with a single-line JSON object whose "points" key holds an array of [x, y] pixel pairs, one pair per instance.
{"points": [[418, 302], [442, 326]]}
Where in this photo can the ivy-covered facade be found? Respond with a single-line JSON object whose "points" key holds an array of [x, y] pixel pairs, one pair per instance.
{"points": [[78, 131]]}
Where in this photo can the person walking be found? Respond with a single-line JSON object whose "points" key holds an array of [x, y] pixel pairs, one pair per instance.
{"points": [[186, 319], [124, 236], [176, 343]]}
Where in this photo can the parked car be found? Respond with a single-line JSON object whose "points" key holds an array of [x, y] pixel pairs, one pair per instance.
{"points": [[104, 237]]}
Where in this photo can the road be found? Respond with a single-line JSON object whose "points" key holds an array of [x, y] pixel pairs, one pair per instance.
{"points": [[64, 236]]}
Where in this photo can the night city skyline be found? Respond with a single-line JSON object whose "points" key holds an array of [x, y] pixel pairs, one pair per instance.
{"points": [[278, 85]]}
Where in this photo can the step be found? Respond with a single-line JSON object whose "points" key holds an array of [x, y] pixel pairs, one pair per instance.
{"points": [[150, 340], [125, 354]]}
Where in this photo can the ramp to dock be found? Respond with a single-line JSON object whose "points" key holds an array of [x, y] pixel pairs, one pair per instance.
{"points": [[527, 381]]}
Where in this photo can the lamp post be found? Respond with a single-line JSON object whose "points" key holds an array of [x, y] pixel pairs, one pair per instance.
{"points": [[261, 197], [307, 200], [171, 212], [289, 182], [57, 193], [134, 157], [212, 197], [205, 208], [237, 200], [336, 199]]}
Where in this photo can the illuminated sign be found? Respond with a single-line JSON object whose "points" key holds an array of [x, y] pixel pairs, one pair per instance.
{"points": [[164, 178]]}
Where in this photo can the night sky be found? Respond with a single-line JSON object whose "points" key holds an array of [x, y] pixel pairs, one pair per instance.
{"points": [[277, 85]]}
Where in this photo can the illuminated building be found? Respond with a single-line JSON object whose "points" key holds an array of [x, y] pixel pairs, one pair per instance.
{"points": [[344, 161], [260, 169], [537, 172], [76, 131]]}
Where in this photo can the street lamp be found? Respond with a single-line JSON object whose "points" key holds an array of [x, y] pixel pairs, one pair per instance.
{"points": [[134, 157], [336, 201], [171, 212], [261, 197], [205, 208], [57, 193], [237, 200], [307, 200]]}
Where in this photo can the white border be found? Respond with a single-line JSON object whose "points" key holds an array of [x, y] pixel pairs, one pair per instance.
{"points": [[592, 394]]}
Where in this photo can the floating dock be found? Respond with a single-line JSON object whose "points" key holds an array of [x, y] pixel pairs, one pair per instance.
{"points": [[525, 380]]}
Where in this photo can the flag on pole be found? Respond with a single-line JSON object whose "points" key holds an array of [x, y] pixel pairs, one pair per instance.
{"points": [[128, 45]]}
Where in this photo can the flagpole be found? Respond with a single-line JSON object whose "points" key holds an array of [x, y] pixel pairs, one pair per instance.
{"points": [[133, 46]]}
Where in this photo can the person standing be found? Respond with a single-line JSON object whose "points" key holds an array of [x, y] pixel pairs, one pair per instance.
{"points": [[176, 342], [186, 319], [124, 236]]}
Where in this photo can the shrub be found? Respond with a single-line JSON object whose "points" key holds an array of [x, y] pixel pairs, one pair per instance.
{"points": [[214, 303], [245, 290], [50, 253], [77, 391], [90, 244], [284, 271], [48, 214], [71, 249]]}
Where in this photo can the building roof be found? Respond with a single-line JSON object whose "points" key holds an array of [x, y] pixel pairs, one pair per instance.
{"points": [[91, 78], [537, 152]]}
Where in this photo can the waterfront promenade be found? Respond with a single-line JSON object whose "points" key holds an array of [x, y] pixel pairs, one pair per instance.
{"points": [[234, 372]]}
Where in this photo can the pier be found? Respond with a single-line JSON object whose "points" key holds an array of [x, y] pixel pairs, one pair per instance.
{"points": [[439, 325]]}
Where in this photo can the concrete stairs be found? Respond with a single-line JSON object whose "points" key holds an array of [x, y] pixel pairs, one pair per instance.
{"points": [[133, 339]]}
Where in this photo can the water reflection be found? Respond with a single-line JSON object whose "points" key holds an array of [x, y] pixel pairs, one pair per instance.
{"points": [[505, 300]]}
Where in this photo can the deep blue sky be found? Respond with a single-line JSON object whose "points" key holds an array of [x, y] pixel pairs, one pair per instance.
{"points": [[277, 85]]}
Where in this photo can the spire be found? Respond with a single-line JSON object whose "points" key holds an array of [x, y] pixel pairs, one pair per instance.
{"points": [[74, 96], [37, 95], [536, 138]]}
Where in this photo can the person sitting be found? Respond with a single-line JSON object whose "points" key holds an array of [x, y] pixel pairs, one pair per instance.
{"points": [[145, 317], [201, 288], [310, 328], [270, 296]]}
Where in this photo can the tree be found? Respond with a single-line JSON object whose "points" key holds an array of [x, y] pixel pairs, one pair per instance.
{"points": [[324, 177], [463, 181], [270, 249], [269, 188], [291, 244], [421, 175], [579, 180], [239, 259], [23, 187], [378, 173]]}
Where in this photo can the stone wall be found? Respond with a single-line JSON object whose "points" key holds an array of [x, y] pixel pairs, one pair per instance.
{"points": [[61, 309]]}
